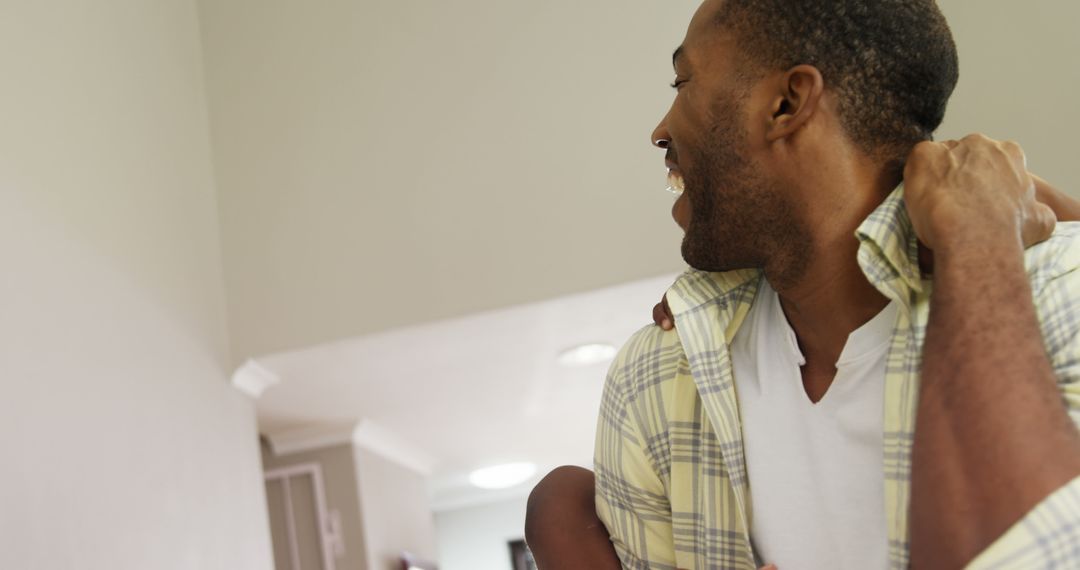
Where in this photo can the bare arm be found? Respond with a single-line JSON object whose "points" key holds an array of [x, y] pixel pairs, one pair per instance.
{"points": [[1065, 207], [992, 437], [561, 526]]}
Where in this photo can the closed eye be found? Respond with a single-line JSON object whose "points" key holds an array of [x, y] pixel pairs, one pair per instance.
{"points": [[678, 83]]}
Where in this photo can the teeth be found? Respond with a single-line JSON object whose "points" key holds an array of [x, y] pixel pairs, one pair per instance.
{"points": [[675, 183]]}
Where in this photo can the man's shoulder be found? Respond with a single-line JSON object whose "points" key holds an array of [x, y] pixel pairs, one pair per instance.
{"points": [[650, 357]]}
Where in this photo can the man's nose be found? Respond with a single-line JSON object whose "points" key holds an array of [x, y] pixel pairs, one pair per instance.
{"points": [[660, 136]]}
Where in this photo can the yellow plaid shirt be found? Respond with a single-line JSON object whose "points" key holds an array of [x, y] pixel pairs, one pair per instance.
{"points": [[671, 482]]}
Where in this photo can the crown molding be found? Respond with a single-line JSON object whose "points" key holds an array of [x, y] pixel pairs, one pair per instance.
{"points": [[253, 379], [366, 435], [385, 443], [311, 438]]}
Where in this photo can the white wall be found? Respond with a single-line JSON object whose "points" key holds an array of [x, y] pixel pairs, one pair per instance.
{"points": [[476, 538], [124, 446]]}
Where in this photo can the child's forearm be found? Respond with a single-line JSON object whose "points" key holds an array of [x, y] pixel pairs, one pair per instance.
{"points": [[561, 526], [1065, 207]]}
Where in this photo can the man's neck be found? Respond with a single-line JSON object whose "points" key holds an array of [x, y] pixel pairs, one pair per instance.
{"points": [[831, 297], [828, 304]]}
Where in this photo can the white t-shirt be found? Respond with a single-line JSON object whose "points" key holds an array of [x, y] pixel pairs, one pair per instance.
{"points": [[816, 482]]}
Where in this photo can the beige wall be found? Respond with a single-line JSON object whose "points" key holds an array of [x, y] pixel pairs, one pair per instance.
{"points": [[124, 445], [384, 506], [393, 163], [342, 494], [1019, 79], [395, 508]]}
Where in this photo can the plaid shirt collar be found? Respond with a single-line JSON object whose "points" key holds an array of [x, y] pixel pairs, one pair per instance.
{"points": [[888, 255]]}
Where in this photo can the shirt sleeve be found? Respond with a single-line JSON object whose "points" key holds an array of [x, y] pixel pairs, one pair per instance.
{"points": [[1049, 535], [631, 498]]}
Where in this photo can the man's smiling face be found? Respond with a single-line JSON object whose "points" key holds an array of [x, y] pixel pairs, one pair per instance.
{"points": [[733, 213]]}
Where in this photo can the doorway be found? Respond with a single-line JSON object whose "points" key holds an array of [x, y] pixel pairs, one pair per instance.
{"points": [[305, 536]]}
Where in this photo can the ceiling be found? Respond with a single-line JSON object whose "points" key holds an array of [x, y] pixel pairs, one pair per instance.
{"points": [[414, 196], [465, 393]]}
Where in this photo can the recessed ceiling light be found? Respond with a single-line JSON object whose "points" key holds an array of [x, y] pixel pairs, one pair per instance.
{"points": [[502, 476], [587, 354]]}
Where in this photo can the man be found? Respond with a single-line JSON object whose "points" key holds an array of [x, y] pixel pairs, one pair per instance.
{"points": [[757, 432], [562, 526]]}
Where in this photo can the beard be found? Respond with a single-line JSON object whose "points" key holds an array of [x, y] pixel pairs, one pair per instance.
{"points": [[739, 218]]}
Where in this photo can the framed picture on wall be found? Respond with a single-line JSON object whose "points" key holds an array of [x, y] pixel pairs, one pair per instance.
{"points": [[520, 556]]}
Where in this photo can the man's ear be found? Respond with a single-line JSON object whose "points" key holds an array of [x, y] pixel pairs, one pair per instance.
{"points": [[795, 101]]}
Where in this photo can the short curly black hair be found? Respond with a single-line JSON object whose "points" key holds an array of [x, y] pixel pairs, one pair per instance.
{"points": [[892, 63]]}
